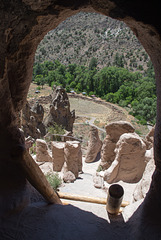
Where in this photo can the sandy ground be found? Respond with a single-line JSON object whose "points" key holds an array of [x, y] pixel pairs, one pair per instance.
{"points": [[81, 221], [84, 186]]}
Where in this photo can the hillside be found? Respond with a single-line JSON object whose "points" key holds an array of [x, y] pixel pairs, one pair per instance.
{"points": [[87, 35]]}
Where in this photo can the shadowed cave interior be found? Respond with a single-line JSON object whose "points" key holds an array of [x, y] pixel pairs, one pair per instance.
{"points": [[24, 212]]}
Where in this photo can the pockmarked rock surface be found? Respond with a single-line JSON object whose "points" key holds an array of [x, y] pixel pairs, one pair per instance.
{"points": [[113, 130], [72, 157], [130, 162], [98, 181], [144, 184], [69, 177], [149, 138], [23, 25], [58, 155], [60, 110], [94, 145], [42, 152], [38, 112], [32, 121]]}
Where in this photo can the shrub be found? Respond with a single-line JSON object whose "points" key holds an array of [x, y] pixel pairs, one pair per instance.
{"points": [[56, 129], [54, 180], [99, 169]]}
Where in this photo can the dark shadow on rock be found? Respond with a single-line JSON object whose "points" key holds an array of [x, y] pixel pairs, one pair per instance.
{"points": [[97, 157], [42, 221], [146, 221], [116, 218]]}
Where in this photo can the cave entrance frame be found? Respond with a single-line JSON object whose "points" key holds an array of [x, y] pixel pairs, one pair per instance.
{"points": [[32, 21]]}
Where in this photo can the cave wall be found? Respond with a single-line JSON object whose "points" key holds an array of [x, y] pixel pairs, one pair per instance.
{"points": [[23, 25]]}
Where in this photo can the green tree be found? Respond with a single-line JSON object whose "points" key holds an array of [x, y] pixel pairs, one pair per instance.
{"points": [[93, 63], [39, 79], [118, 60]]}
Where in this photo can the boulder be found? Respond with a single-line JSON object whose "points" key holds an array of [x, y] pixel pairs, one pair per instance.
{"points": [[69, 177], [58, 155], [113, 130], [98, 181], [130, 162], [42, 153], [94, 146], [72, 157], [143, 186], [60, 110]]}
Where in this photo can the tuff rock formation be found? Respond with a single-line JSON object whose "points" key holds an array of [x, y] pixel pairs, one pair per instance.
{"points": [[32, 121], [113, 130], [144, 184], [60, 110], [72, 157], [80, 164], [94, 145], [42, 152], [23, 25], [130, 162], [149, 138], [38, 112], [58, 155]]}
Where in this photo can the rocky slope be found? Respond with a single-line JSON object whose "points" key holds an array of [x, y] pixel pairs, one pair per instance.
{"points": [[87, 35]]}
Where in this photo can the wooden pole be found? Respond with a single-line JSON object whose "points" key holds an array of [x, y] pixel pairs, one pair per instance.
{"points": [[36, 177], [77, 197]]}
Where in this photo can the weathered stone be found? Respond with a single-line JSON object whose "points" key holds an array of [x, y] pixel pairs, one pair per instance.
{"points": [[80, 165], [114, 130], [149, 138], [38, 112], [60, 110], [23, 25], [29, 142], [98, 181], [72, 152], [42, 153], [94, 145], [58, 155], [143, 186], [129, 163], [107, 152], [32, 121], [69, 177]]}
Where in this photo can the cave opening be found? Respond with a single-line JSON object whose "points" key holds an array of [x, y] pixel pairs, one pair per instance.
{"points": [[19, 43]]}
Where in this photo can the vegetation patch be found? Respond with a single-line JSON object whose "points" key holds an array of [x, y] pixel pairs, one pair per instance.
{"points": [[54, 180], [133, 90]]}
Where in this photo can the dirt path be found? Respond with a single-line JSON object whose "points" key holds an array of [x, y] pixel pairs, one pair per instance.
{"points": [[90, 121]]}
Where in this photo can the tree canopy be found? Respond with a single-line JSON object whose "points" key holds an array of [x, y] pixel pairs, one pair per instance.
{"points": [[114, 84]]}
